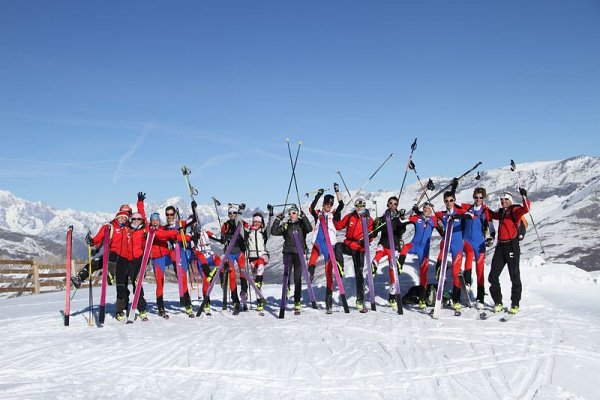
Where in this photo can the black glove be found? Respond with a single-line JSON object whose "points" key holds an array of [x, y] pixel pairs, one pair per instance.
{"points": [[141, 196], [336, 187], [270, 209], [241, 207], [489, 242], [88, 239], [454, 185], [361, 242], [280, 216], [320, 192], [415, 209], [523, 192], [194, 204], [302, 215], [402, 212]]}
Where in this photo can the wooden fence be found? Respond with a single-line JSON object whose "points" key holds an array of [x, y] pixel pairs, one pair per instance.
{"points": [[19, 277]]}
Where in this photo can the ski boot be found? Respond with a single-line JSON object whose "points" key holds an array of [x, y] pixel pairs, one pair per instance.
{"points": [[513, 310], [163, 313], [422, 304], [393, 304], [189, 311], [236, 308], [260, 307], [328, 303], [457, 309], [120, 316], [360, 306], [297, 308], [76, 281], [244, 298], [144, 316], [498, 308]]}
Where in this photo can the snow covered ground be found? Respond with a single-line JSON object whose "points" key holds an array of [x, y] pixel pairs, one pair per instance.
{"points": [[550, 350]]}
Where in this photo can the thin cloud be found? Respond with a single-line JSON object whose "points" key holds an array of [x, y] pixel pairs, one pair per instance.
{"points": [[125, 157], [335, 154]]}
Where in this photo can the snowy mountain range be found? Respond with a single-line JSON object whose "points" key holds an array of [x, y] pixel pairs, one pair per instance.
{"points": [[565, 199]]}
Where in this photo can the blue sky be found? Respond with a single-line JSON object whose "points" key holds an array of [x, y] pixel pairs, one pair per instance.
{"points": [[100, 100]]}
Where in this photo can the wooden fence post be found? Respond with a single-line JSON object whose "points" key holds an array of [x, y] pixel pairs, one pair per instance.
{"points": [[36, 277]]}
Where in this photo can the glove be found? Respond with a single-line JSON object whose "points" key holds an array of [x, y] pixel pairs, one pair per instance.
{"points": [[336, 187], [361, 242], [141, 196], [454, 184], [302, 215], [415, 209], [523, 192], [194, 204], [88, 239], [242, 207], [280, 216], [320, 192], [270, 208], [489, 241]]}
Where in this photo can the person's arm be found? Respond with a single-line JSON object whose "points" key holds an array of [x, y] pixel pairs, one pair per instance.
{"points": [[277, 228], [313, 205], [339, 225], [140, 204]]}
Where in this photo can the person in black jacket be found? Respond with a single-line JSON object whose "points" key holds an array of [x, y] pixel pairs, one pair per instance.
{"points": [[297, 222]]}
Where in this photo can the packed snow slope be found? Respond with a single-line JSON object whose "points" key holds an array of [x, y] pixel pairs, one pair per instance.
{"points": [[550, 350]]}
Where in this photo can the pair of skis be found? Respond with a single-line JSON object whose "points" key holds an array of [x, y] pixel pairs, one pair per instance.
{"points": [[286, 269], [221, 268]]}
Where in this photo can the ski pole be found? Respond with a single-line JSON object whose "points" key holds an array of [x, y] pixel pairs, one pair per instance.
{"points": [[413, 147], [344, 182], [217, 203], [423, 188], [91, 297], [513, 167], [429, 186], [293, 165], [293, 172], [371, 177], [375, 204], [450, 184]]}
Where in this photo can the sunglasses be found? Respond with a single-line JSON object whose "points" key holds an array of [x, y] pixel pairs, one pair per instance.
{"points": [[327, 204], [448, 200], [360, 206], [504, 198], [392, 204], [170, 214], [478, 197], [136, 219]]}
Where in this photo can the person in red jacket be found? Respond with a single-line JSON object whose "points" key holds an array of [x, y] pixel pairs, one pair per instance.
{"points": [[354, 245], [83, 273], [507, 250], [161, 257], [120, 253]]}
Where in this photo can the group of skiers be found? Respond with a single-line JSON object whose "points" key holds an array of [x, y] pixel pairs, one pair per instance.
{"points": [[185, 244]]}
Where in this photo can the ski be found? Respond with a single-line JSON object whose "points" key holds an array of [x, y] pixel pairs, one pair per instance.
{"points": [[440, 289], [367, 266], [334, 264], [106, 245], [69, 251], [140, 278], [465, 289], [392, 261], [286, 271], [259, 294], [311, 293], [179, 272], [219, 269]]}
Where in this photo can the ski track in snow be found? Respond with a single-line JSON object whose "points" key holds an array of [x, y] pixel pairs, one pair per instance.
{"points": [[547, 351]]}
